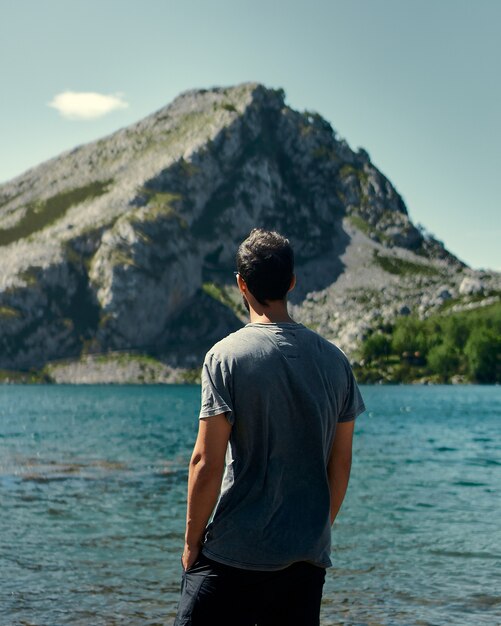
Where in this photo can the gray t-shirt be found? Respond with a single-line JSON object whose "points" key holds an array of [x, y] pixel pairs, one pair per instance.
{"points": [[283, 388]]}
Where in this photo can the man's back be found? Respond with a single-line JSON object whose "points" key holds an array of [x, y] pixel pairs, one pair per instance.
{"points": [[283, 388], [269, 462]]}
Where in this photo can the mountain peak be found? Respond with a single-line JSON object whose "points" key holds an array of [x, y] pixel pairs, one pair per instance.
{"points": [[128, 243]]}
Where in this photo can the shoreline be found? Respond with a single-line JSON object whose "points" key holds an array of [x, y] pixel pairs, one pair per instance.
{"points": [[141, 369], [110, 369]]}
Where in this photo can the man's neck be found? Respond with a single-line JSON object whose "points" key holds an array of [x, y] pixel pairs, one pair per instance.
{"points": [[274, 313]]}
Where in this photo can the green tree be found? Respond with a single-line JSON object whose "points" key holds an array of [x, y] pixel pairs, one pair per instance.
{"points": [[443, 359], [483, 351], [376, 346], [456, 330], [409, 336]]}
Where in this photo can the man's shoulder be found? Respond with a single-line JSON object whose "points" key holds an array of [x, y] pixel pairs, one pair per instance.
{"points": [[329, 348], [251, 340], [230, 344]]}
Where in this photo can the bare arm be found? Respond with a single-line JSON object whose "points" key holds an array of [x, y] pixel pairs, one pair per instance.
{"points": [[339, 465], [204, 481]]}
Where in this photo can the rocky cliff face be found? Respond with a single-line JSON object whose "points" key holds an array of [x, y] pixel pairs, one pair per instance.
{"points": [[128, 243]]}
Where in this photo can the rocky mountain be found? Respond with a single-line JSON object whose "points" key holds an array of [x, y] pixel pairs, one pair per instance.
{"points": [[126, 246]]}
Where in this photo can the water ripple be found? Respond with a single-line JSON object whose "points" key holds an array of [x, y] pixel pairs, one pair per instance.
{"points": [[93, 487]]}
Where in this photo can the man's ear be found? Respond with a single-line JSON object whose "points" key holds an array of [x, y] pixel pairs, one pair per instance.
{"points": [[293, 283], [242, 285]]}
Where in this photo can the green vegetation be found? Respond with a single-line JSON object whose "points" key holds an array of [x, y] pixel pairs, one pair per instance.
{"points": [[9, 312], [364, 226], [191, 376], [397, 266], [464, 300], [23, 377], [75, 255], [465, 345], [148, 364], [361, 224], [227, 106], [160, 205], [313, 120], [325, 153], [45, 212], [483, 354], [225, 295], [130, 368], [365, 296], [376, 347], [348, 170], [122, 258], [187, 168]]}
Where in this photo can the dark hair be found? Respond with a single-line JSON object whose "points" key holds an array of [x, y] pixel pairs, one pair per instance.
{"points": [[265, 261]]}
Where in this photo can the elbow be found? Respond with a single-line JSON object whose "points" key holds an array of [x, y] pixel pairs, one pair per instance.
{"points": [[204, 467]]}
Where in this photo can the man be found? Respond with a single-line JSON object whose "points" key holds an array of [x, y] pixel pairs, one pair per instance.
{"points": [[278, 409]]}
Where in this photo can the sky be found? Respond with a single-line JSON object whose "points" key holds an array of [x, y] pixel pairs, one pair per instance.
{"points": [[416, 83]]}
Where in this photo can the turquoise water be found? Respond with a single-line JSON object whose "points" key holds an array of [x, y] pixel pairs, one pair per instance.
{"points": [[92, 490]]}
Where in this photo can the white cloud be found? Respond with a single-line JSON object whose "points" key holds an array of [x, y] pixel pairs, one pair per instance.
{"points": [[81, 105]]}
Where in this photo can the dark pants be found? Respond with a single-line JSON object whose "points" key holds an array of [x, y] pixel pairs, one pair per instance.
{"points": [[213, 594]]}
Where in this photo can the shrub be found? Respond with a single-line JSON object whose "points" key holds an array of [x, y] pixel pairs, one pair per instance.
{"points": [[483, 351], [409, 336], [395, 265], [443, 359], [376, 346], [456, 330], [45, 212]]}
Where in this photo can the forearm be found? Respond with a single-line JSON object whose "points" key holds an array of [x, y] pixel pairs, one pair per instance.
{"points": [[204, 484], [339, 476], [204, 481]]}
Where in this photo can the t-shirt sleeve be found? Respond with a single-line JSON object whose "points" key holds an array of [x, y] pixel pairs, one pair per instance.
{"points": [[353, 402], [216, 396]]}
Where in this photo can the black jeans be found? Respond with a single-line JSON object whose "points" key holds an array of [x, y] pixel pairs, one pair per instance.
{"points": [[213, 594]]}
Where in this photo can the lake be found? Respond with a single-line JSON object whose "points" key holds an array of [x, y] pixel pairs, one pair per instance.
{"points": [[93, 486]]}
